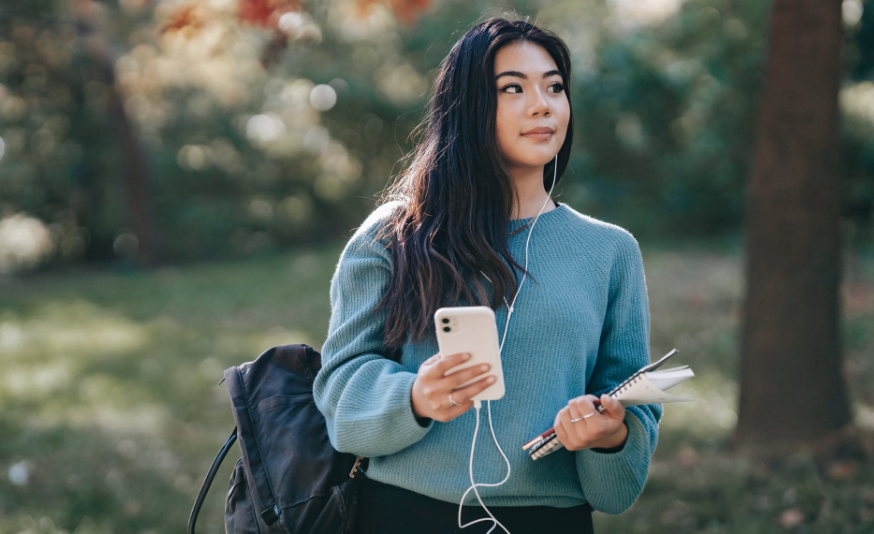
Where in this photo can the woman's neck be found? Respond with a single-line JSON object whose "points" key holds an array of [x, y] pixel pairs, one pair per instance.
{"points": [[531, 194]]}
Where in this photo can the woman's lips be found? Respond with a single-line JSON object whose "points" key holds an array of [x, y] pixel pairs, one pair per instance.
{"points": [[545, 136]]}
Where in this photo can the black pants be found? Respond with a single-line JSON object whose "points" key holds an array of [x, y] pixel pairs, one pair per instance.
{"points": [[385, 509]]}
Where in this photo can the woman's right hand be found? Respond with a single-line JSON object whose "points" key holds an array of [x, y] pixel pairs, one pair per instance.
{"points": [[430, 395]]}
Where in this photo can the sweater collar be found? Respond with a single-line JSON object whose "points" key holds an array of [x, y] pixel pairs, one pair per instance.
{"points": [[553, 214]]}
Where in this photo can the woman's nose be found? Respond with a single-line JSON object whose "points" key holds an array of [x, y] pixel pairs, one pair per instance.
{"points": [[540, 106]]}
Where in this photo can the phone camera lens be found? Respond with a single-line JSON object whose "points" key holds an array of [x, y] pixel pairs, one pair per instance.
{"points": [[445, 321], [446, 329]]}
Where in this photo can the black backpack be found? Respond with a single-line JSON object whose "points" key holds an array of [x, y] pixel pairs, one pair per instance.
{"points": [[290, 480]]}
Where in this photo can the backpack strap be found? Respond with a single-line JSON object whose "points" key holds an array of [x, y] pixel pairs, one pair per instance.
{"points": [[207, 482]]}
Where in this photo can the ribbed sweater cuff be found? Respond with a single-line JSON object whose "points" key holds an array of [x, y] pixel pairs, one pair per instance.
{"points": [[409, 429], [612, 481]]}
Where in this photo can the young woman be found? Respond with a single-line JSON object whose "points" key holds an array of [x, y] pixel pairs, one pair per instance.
{"points": [[451, 233]]}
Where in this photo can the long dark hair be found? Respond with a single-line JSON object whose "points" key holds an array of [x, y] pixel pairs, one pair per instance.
{"points": [[456, 196]]}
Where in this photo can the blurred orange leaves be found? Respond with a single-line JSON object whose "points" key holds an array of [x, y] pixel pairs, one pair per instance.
{"points": [[406, 11], [266, 13], [263, 13], [188, 18]]}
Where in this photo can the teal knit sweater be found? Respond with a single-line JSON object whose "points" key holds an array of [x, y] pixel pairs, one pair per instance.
{"points": [[582, 327]]}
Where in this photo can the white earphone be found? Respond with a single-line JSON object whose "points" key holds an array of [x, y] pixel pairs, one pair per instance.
{"points": [[478, 404]]}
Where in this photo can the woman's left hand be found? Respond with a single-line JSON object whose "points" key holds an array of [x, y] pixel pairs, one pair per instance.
{"points": [[602, 430]]}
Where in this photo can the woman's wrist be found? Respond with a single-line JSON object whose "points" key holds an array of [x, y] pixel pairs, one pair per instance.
{"points": [[615, 442], [421, 419]]}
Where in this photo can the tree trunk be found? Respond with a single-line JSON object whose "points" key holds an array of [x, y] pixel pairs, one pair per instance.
{"points": [[135, 171], [791, 386]]}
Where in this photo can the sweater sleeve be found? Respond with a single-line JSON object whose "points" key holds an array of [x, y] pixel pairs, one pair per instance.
{"points": [[364, 396], [612, 481]]}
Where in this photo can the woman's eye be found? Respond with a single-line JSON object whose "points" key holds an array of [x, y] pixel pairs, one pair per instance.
{"points": [[559, 87]]}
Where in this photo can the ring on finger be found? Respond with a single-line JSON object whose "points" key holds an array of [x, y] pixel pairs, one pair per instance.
{"points": [[584, 417], [452, 401]]}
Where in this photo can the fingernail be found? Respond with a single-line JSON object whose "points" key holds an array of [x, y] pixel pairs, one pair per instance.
{"points": [[490, 380], [484, 368], [465, 356]]}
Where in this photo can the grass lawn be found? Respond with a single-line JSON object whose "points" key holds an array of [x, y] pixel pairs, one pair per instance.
{"points": [[110, 412]]}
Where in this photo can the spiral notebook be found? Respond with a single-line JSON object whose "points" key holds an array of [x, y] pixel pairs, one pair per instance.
{"points": [[646, 386]]}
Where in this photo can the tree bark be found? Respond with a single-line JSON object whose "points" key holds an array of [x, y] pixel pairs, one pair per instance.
{"points": [[791, 384], [135, 172]]}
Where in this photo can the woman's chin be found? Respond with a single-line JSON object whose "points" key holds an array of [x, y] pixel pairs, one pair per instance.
{"points": [[530, 163], [539, 158]]}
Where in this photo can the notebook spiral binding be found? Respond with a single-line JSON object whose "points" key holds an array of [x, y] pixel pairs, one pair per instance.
{"points": [[546, 447], [625, 386]]}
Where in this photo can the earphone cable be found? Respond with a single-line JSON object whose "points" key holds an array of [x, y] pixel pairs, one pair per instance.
{"points": [[478, 404]]}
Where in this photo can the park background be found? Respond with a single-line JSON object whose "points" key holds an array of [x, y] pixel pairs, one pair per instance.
{"points": [[178, 178]]}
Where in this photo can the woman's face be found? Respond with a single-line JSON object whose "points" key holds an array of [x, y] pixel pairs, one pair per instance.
{"points": [[531, 96]]}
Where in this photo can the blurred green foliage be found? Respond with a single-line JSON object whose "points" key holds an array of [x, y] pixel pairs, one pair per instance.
{"points": [[258, 140]]}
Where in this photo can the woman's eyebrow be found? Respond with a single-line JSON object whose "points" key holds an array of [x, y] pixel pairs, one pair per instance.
{"points": [[525, 76]]}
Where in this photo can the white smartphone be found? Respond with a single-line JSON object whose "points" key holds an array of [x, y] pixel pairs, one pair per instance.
{"points": [[472, 329]]}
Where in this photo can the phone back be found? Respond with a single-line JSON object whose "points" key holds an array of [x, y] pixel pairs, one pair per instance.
{"points": [[472, 329]]}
